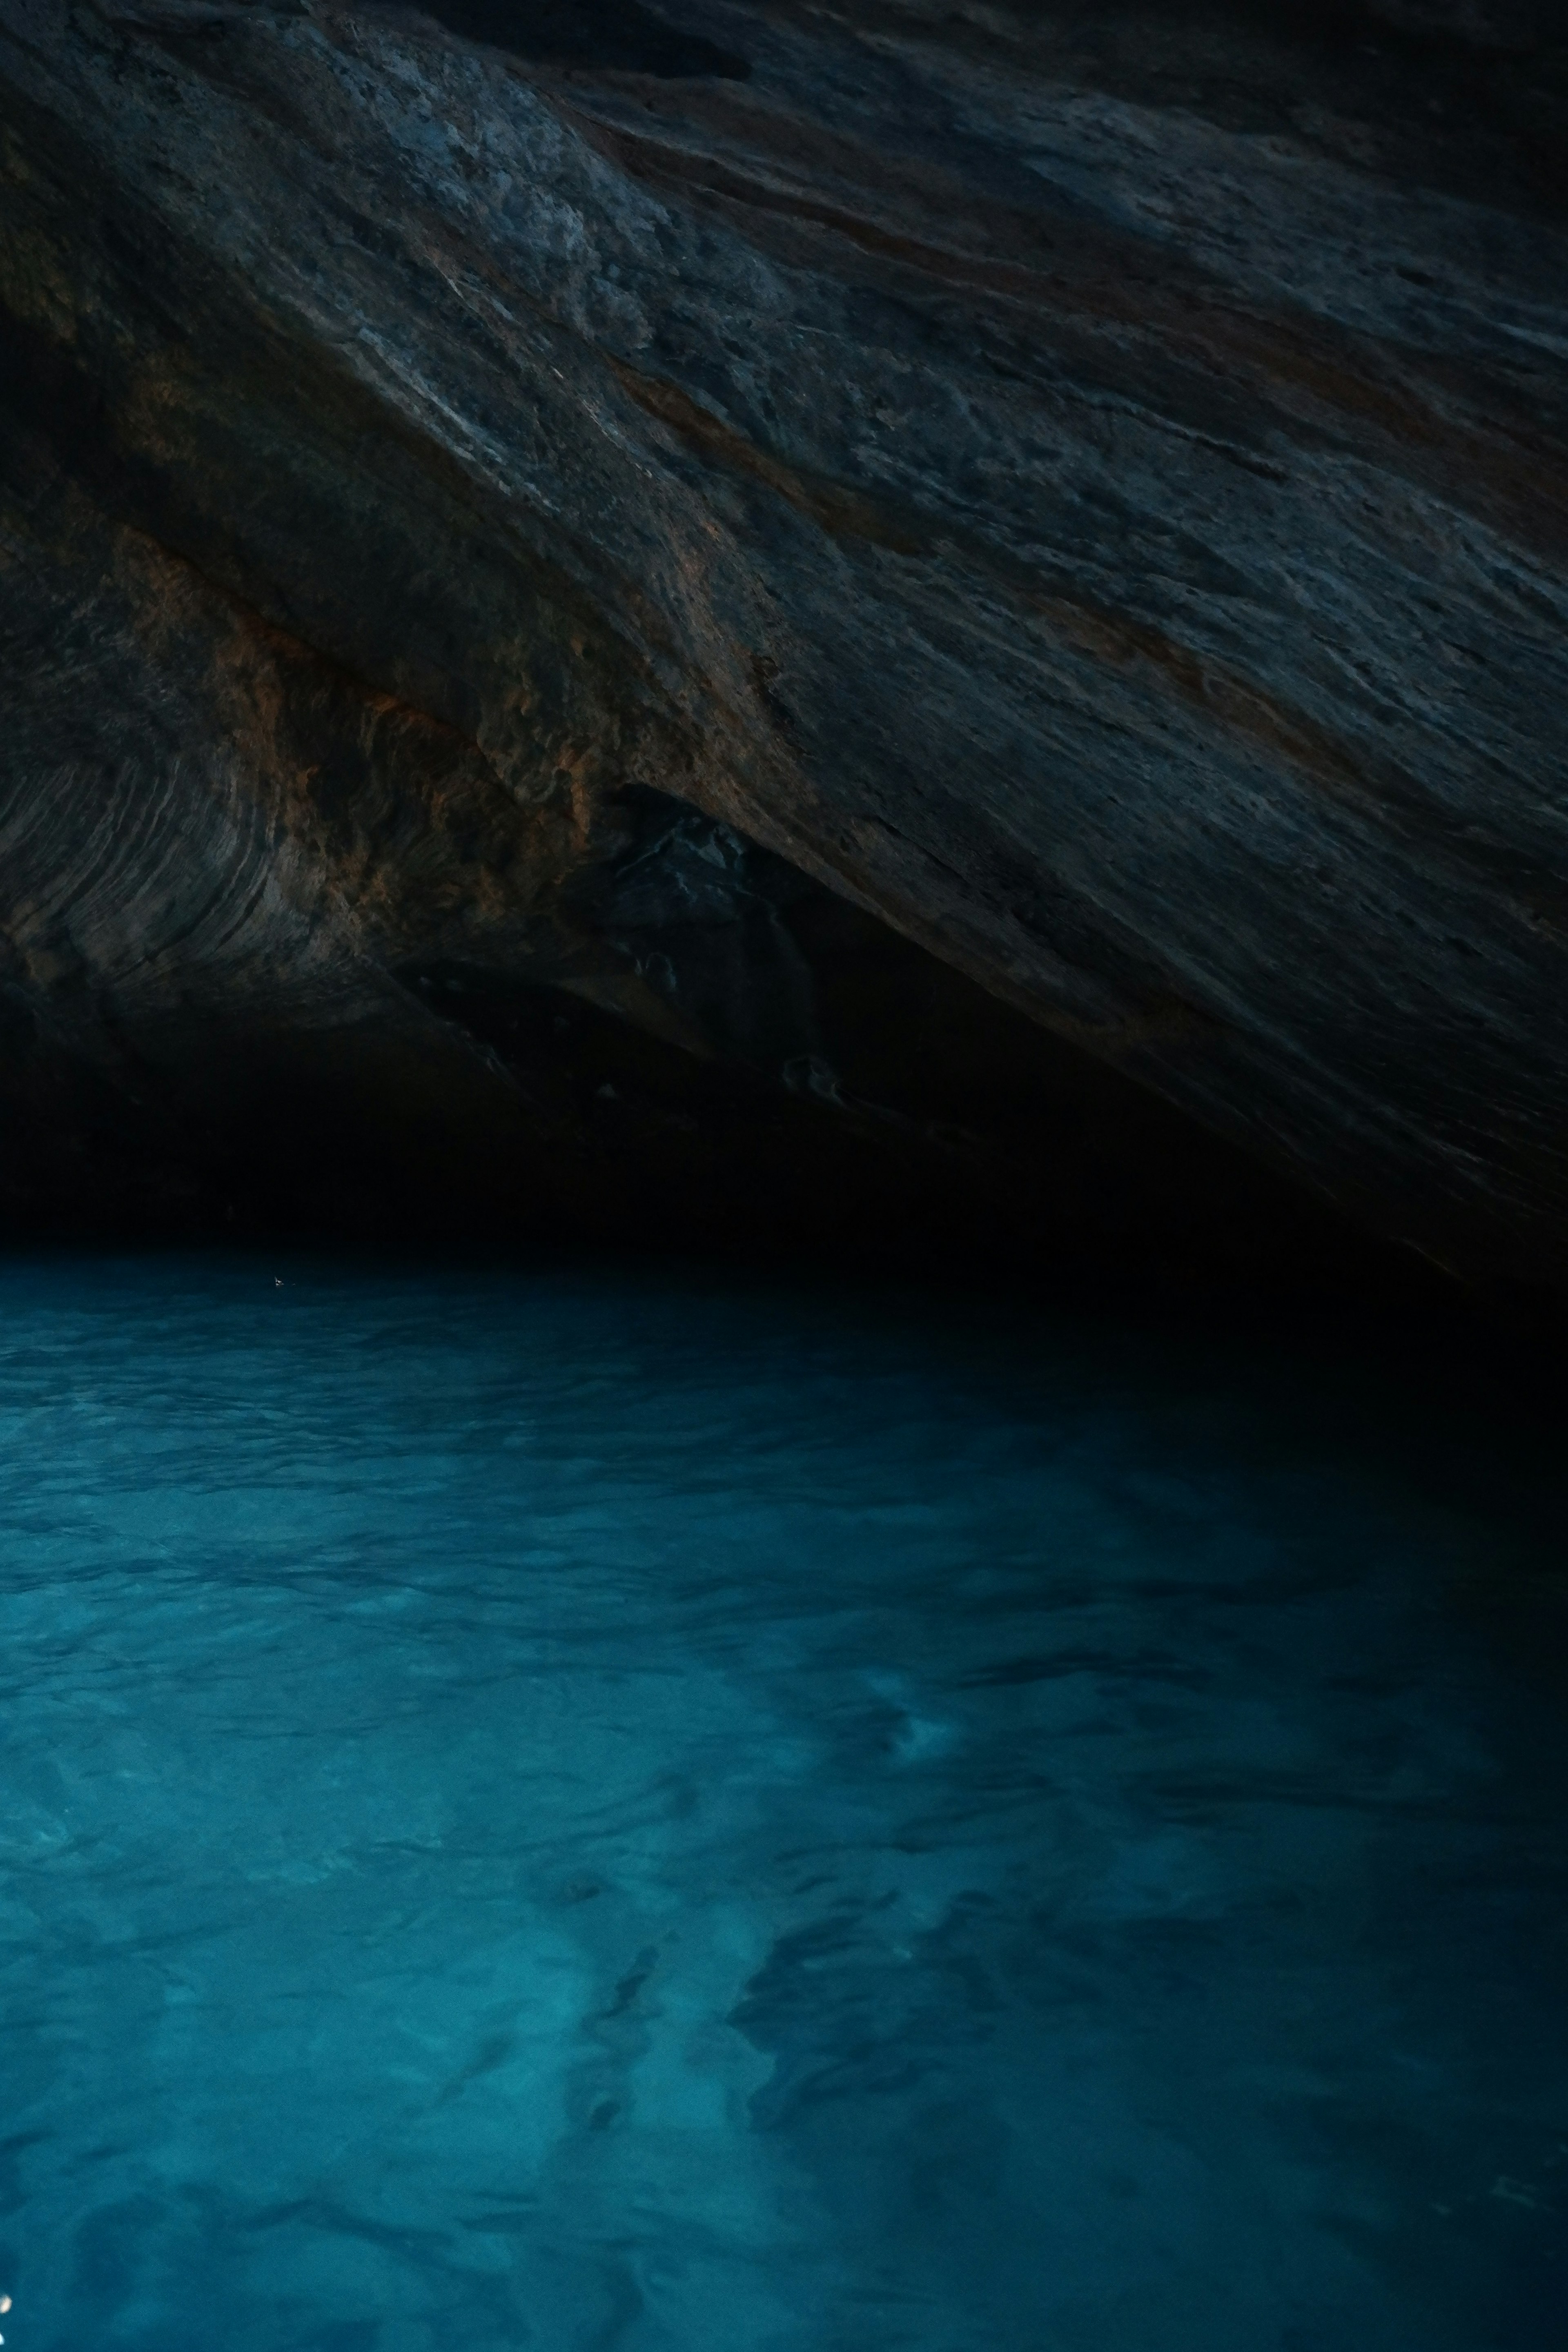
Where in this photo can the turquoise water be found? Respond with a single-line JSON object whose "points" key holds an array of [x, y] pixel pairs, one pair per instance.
{"points": [[596, 1811]]}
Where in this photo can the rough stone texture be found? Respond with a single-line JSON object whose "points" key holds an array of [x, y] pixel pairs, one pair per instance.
{"points": [[664, 615]]}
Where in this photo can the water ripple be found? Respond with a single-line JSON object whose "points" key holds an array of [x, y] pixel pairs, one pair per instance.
{"points": [[593, 1811]]}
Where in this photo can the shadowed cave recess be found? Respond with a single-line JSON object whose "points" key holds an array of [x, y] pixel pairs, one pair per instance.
{"points": [[924, 636]]}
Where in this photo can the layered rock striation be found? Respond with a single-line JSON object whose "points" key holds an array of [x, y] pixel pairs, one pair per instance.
{"points": [[759, 619]]}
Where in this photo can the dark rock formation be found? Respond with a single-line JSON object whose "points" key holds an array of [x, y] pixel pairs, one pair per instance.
{"points": [[878, 622]]}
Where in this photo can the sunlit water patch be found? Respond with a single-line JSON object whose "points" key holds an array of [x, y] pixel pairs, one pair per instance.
{"points": [[593, 1811]]}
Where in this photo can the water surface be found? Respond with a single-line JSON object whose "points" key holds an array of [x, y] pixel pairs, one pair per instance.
{"points": [[597, 1809]]}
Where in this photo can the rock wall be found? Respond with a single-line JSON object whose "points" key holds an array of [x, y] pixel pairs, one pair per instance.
{"points": [[745, 615]]}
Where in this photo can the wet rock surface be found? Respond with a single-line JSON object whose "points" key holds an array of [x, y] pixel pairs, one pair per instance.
{"points": [[747, 621]]}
